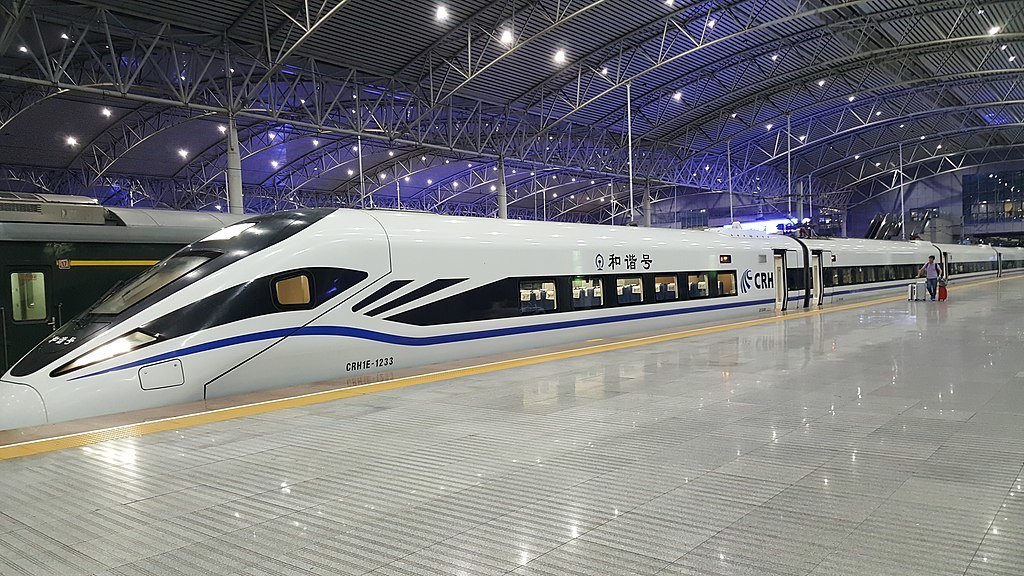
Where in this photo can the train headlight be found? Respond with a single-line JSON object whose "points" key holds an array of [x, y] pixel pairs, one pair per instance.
{"points": [[116, 347]]}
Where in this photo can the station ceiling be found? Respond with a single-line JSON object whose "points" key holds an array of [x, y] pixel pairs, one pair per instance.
{"points": [[129, 101]]}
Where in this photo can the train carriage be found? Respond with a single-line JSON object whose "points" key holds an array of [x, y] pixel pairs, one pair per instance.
{"points": [[311, 295], [59, 254]]}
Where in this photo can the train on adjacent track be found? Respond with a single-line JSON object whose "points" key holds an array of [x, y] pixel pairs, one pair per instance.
{"points": [[59, 254], [312, 295]]}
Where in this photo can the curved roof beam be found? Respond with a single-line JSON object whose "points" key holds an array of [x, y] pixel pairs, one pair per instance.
{"points": [[741, 59], [464, 26], [766, 91], [765, 26], [25, 101], [409, 158], [890, 96], [989, 156], [877, 124], [132, 134], [915, 150], [614, 52], [468, 76]]}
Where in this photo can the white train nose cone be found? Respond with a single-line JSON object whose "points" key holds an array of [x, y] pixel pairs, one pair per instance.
{"points": [[20, 406]]}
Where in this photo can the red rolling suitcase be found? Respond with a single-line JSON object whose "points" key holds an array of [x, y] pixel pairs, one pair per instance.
{"points": [[942, 293]]}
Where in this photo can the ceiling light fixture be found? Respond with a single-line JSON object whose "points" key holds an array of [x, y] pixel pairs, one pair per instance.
{"points": [[560, 56], [183, 153], [72, 141], [105, 112], [993, 30], [677, 96], [506, 36], [441, 14]]}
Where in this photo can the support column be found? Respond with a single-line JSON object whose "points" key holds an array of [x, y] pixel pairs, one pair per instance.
{"points": [[502, 190], [728, 168], [362, 181], [629, 146], [789, 165], [800, 202], [647, 205], [903, 205], [234, 171]]}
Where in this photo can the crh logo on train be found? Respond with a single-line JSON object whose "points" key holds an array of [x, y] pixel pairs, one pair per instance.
{"points": [[759, 280]]}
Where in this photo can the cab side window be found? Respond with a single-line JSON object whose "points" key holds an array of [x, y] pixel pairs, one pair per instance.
{"points": [[28, 296], [293, 291]]}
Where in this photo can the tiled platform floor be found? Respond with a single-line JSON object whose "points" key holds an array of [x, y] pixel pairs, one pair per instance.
{"points": [[886, 440]]}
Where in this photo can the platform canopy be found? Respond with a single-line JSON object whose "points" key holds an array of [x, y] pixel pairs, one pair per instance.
{"points": [[129, 101]]}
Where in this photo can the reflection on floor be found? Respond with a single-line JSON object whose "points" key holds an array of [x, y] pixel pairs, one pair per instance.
{"points": [[884, 440]]}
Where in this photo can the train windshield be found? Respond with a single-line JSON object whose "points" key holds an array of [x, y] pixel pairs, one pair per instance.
{"points": [[150, 281]]}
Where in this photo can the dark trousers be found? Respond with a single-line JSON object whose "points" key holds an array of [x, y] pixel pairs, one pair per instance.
{"points": [[933, 285]]}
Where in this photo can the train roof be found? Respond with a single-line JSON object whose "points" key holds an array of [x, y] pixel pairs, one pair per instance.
{"points": [[49, 217]]}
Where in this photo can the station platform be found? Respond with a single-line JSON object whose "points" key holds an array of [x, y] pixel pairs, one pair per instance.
{"points": [[880, 439]]}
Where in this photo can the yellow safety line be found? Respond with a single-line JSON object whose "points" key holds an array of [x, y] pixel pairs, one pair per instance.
{"points": [[185, 421], [74, 263]]}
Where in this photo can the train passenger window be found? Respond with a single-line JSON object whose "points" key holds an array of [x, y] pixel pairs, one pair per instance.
{"points": [[726, 283], [537, 296], [629, 290], [697, 285], [586, 293], [293, 291], [28, 296], [665, 288]]}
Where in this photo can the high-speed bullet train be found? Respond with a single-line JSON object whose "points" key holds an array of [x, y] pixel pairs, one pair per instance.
{"points": [[311, 295]]}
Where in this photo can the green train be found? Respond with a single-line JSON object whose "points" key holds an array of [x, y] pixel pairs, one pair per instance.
{"points": [[60, 254]]}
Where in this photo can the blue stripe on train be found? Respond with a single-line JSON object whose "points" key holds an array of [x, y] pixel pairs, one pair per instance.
{"points": [[400, 340]]}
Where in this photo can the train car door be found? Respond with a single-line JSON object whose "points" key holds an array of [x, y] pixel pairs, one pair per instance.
{"points": [[27, 310], [818, 275], [781, 293], [947, 264], [999, 265]]}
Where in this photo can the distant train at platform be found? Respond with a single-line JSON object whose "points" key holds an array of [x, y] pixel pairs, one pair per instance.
{"points": [[319, 294]]}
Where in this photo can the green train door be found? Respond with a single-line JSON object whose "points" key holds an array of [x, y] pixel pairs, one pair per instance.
{"points": [[28, 310]]}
